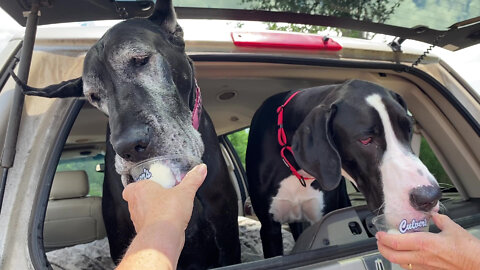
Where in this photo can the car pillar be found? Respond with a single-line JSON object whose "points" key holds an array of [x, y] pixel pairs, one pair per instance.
{"points": [[8, 153]]}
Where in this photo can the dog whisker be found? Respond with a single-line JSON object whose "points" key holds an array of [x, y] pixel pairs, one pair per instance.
{"points": [[442, 208], [379, 209], [445, 186]]}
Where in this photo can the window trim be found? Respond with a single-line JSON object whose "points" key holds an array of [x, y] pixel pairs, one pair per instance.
{"points": [[240, 172], [35, 238]]}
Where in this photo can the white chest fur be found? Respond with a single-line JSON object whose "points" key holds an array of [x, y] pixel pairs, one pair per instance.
{"points": [[293, 202]]}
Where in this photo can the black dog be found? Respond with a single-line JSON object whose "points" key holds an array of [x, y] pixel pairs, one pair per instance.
{"points": [[139, 75], [358, 126]]}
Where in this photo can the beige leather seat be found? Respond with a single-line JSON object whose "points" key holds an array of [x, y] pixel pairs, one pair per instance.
{"points": [[72, 217]]}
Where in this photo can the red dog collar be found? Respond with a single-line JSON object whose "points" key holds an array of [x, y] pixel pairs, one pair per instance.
{"points": [[282, 140], [197, 108]]}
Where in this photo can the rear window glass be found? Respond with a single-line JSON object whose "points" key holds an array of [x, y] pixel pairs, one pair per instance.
{"points": [[410, 13], [428, 157], [89, 165], [239, 140]]}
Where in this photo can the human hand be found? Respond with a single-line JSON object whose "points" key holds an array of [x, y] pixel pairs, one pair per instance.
{"points": [[452, 248], [149, 203], [160, 217]]}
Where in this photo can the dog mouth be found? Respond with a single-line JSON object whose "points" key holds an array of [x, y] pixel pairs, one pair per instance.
{"points": [[404, 220]]}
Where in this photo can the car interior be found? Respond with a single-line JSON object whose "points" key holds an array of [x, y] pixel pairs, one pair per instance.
{"points": [[232, 91]]}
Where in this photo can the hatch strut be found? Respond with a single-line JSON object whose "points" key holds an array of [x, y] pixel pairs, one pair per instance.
{"points": [[396, 46], [8, 152]]}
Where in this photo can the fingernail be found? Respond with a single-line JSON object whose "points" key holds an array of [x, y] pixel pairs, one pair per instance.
{"points": [[201, 169]]}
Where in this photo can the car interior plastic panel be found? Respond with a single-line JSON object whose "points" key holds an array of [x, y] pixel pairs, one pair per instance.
{"points": [[338, 227]]}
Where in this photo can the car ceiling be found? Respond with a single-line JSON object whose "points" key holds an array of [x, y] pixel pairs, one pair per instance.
{"points": [[232, 92]]}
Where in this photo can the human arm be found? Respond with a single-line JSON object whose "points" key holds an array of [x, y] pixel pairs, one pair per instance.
{"points": [[160, 217], [452, 248]]}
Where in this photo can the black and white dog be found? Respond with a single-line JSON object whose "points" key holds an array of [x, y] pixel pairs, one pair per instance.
{"points": [[358, 126], [140, 76]]}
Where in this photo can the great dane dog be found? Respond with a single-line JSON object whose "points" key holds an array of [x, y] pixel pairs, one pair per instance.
{"points": [[140, 76], [358, 126]]}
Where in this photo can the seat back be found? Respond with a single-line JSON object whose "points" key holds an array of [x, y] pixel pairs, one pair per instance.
{"points": [[72, 217]]}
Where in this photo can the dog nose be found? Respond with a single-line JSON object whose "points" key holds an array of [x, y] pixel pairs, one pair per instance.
{"points": [[133, 145], [424, 198]]}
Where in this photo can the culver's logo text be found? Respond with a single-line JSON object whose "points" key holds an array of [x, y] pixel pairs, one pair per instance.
{"points": [[413, 225], [146, 174]]}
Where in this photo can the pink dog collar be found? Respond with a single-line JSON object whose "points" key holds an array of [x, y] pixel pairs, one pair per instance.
{"points": [[197, 108]]}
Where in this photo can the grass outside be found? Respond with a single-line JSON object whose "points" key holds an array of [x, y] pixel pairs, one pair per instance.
{"points": [[430, 160]]}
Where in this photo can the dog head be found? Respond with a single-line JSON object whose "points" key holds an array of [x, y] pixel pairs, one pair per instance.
{"points": [[366, 130], [139, 75]]}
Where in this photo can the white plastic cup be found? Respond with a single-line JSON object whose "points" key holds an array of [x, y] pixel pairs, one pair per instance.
{"points": [[400, 224], [168, 171]]}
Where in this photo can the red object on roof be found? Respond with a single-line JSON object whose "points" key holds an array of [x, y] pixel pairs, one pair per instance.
{"points": [[284, 40]]}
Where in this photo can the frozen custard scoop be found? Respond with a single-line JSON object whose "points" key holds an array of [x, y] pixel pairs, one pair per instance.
{"points": [[168, 171]]}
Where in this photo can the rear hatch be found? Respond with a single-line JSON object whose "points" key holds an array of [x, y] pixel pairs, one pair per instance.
{"points": [[451, 25]]}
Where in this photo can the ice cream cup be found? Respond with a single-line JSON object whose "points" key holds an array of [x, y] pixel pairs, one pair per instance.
{"points": [[168, 171], [399, 223]]}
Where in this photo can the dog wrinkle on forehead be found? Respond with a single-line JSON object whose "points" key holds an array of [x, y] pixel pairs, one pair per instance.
{"points": [[157, 80], [125, 51]]}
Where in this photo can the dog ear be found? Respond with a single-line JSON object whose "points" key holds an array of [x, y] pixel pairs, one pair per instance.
{"points": [[314, 149], [164, 15], [70, 88]]}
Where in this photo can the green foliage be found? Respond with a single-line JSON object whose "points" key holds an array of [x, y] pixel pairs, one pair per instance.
{"points": [[87, 164], [436, 14], [366, 10], [239, 141], [313, 29], [430, 160]]}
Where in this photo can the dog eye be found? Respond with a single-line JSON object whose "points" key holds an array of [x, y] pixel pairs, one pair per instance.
{"points": [[94, 98], [366, 141], [140, 60]]}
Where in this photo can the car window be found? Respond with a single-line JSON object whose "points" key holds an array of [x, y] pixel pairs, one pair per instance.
{"points": [[428, 157], [239, 140], [89, 165], [399, 13]]}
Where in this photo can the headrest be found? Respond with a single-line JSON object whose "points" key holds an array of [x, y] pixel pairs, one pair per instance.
{"points": [[69, 185]]}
